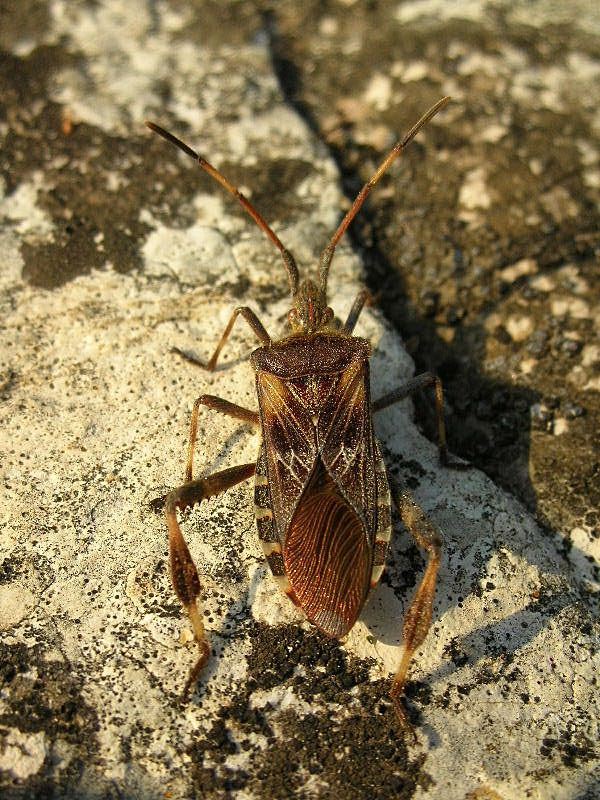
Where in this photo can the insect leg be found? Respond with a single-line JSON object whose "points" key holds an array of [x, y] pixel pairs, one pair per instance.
{"points": [[422, 382], [184, 574], [418, 616], [252, 320], [364, 296], [218, 404]]}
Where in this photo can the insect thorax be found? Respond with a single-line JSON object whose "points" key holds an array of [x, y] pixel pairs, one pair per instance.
{"points": [[315, 354]]}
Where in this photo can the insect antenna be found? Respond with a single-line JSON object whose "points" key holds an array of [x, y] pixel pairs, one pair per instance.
{"points": [[288, 259], [327, 254]]}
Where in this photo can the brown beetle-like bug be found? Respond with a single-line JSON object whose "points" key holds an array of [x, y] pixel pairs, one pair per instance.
{"points": [[322, 496]]}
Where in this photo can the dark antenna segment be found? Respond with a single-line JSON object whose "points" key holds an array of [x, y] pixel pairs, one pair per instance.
{"points": [[327, 254], [288, 259]]}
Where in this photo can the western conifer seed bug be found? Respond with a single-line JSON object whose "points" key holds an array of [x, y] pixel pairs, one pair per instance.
{"points": [[322, 496]]}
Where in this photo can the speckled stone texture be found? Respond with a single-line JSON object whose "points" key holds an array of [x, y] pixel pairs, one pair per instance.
{"points": [[482, 245]]}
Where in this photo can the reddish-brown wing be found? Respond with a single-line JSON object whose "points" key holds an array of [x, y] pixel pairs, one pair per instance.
{"points": [[319, 449], [347, 448], [290, 446], [327, 556]]}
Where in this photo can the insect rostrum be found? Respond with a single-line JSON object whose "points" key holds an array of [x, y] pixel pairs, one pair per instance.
{"points": [[322, 496]]}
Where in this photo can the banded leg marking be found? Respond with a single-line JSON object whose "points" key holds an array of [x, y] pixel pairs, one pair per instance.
{"points": [[267, 533], [262, 505], [384, 520], [275, 562], [265, 523], [379, 557]]}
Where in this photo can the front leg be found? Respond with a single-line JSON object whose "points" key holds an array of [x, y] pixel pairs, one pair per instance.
{"points": [[418, 616], [362, 298], [184, 574], [252, 320]]}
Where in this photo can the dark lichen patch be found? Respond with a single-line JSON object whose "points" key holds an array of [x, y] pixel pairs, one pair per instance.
{"points": [[277, 652], [33, 121], [572, 747], [273, 186], [45, 696], [349, 745], [50, 702], [22, 20], [352, 757], [9, 379], [31, 569], [94, 185], [92, 224], [10, 568], [454, 651]]}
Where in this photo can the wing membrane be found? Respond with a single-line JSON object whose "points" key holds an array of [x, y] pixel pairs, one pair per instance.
{"points": [[327, 556]]}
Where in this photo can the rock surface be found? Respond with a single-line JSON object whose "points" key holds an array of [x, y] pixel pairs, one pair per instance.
{"points": [[483, 243]]}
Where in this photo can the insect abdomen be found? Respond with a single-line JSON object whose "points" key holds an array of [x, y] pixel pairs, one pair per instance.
{"points": [[267, 531]]}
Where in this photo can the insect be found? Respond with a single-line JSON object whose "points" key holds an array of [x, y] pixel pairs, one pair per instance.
{"points": [[322, 496]]}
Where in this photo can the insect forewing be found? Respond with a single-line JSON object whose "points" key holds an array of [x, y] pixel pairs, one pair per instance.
{"points": [[320, 452]]}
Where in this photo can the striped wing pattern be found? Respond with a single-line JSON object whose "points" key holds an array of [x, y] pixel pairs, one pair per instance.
{"points": [[327, 557]]}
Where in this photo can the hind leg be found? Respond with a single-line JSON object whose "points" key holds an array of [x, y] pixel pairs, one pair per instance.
{"points": [[184, 574], [418, 616]]}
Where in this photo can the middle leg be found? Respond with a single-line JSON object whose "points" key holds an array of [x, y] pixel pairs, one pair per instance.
{"points": [[422, 382], [217, 404]]}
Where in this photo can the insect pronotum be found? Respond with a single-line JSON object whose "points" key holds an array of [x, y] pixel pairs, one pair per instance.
{"points": [[322, 496]]}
